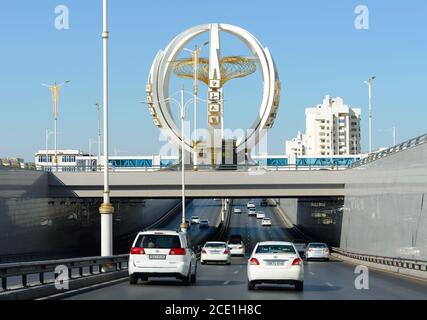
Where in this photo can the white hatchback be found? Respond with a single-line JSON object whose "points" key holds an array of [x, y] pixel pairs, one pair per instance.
{"points": [[275, 262], [215, 251], [162, 254]]}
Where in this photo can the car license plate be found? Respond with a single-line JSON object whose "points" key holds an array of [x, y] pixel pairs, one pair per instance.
{"points": [[214, 252], [275, 263], [157, 256]]}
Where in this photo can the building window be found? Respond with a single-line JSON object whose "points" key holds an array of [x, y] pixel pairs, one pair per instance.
{"points": [[68, 158], [43, 158]]}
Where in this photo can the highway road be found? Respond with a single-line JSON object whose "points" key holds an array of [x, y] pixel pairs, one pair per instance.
{"points": [[332, 280]]}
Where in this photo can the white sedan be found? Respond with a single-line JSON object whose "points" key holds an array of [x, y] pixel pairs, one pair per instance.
{"points": [[237, 210], [275, 262], [260, 215], [215, 251], [266, 222]]}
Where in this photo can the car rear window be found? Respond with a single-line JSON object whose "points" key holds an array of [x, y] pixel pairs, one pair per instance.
{"points": [[275, 249], [157, 241], [235, 241], [317, 245], [215, 245]]}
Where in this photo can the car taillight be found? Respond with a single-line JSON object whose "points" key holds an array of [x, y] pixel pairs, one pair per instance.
{"points": [[177, 251], [135, 250], [226, 251], [204, 251], [326, 250], [254, 262], [297, 261], [310, 250], [240, 247]]}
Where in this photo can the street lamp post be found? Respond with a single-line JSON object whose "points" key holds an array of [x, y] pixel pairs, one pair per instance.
{"points": [[98, 109], [55, 89], [183, 225], [106, 209], [195, 54], [47, 134], [369, 83]]}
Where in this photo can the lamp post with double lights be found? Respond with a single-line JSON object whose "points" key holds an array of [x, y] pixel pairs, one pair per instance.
{"points": [[182, 108], [47, 134], [55, 89], [369, 83], [195, 54]]}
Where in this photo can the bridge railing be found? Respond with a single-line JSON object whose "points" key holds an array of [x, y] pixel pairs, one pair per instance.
{"points": [[86, 266], [202, 168], [392, 150]]}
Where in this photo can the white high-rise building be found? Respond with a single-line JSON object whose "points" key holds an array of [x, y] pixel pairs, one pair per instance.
{"points": [[332, 128], [297, 145]]}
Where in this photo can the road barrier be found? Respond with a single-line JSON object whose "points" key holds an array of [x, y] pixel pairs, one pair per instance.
{"points": [[387, 152], [100, 269], [391, 264]]}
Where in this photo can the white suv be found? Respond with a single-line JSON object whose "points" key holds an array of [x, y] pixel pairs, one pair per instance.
{"points": [[162, 254]]}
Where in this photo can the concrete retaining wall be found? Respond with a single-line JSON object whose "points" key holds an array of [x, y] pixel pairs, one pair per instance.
{"points": [[385, 209]]}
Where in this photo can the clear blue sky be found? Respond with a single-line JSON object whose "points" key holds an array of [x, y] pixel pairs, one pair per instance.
{"points": [[314, 43]]}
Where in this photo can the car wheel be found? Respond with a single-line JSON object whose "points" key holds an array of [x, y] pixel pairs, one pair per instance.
{"points": [[203, 262], [133, 279], [299, 286], [251, 285]]}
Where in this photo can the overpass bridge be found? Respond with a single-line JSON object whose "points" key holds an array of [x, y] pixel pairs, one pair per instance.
{"points": [[200, 184]]}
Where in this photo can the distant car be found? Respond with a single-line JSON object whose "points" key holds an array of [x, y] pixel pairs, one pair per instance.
{"points": [[215, 251], [300, 245], [204, 224], [260, 215], [250, 205], [237, 210], [251, 212], [275, 262], [264, 203], [162, 254], [317, 250], [266, 222], [195, 219], [236, 245]]}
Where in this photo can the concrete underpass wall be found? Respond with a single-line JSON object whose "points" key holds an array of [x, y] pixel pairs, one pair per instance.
{"points": [[320, 218], [385, 206], [35, 225]]}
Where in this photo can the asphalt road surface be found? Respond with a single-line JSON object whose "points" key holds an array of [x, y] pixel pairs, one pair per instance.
{"points": [[332, 280]]}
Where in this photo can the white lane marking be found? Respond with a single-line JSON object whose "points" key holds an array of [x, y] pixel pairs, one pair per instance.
{"points": [[226, 282], [209, 298], [236, 272], [329, 284], [311, 273]]}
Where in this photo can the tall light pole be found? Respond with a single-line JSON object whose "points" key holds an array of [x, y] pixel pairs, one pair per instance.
{"points": [[106, 209], [369, 83], [195, 54], [98, 109], [47, 134], [183, 225], [55, 89]]}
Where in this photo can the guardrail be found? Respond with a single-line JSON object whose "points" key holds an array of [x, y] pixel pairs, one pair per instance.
{"points": [[202, 168], [411, 264], [393, 150], [41, 268]]}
